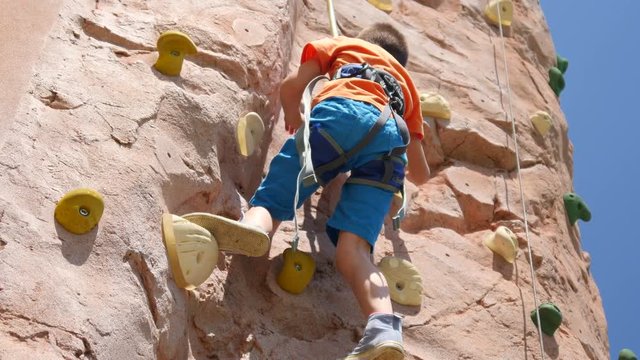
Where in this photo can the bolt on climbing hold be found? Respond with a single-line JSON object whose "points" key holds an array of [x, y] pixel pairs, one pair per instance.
{"points": [[249, 133], [627, 354], [550, 318], [556, 80], [173, 46], [79, 210], [576, 208], [505, 7], [384, 5], [541, 121], [405, 282], [503, 242], [297, 271], [435, 105], [562, 63], [191, 249]]}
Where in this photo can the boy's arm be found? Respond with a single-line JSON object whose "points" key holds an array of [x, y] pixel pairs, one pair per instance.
{"points": [[417, 170], [291, 93]]}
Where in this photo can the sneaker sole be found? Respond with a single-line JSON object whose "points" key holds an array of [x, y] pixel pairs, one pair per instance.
{"points": [[232, 236], [389, 350]]}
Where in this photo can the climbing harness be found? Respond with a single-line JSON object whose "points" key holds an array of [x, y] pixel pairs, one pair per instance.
{"points": [[388, 83], [522, 198], [322, 159]]}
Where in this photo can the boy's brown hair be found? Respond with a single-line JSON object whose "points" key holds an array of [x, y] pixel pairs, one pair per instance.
{"points": [[389, 38]]}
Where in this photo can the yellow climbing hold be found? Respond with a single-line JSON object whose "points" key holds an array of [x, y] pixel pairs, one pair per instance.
{"points": [[405, 282], [384, 5], [435, 105], [503, 242], [173, 46], [249, 133], [79, 210], [297, 271], [541, 120], [191, 249], [505, 7]]}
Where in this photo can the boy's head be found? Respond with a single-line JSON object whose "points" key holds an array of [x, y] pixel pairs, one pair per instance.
{"points": [[389, 38]]}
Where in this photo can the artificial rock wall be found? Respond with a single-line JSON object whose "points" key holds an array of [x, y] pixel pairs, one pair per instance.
{"points": [[87, 109]]}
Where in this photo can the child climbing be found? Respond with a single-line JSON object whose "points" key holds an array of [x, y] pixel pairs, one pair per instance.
{"points": [[366, 120]]}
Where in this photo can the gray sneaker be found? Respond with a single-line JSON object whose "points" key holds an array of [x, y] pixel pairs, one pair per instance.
{"points": [[382, 339]]}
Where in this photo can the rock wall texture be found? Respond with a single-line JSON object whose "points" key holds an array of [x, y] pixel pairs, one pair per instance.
{"points": [[87, 109]]}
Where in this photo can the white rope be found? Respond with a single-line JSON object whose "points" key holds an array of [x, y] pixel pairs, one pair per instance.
{"points": [[522, 198], [333, 24], [333, 27], [296, 237], [306, 175]]}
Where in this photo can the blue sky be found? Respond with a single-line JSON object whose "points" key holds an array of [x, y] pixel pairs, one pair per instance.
{"points": [[601, 40]]}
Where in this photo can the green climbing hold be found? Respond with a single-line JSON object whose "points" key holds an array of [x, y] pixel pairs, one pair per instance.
{"points": [[550, 318], [626, 354], [556, 80], [562, 63], [576, 208]]}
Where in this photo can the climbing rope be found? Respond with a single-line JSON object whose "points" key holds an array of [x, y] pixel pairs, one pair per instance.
{"points": [[333, 24], [522, 198], [296, 236]]}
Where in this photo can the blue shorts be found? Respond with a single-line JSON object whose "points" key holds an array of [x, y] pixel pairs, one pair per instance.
{"points": [[362, 208]]}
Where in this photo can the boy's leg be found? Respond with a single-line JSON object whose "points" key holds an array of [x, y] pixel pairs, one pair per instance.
{"points": [[353, 260], [359, 217], [273, 200], [382, 338], [260, 217]]}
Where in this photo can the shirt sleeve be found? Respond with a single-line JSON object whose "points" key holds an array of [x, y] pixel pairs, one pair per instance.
{"points": [[322, 51]]}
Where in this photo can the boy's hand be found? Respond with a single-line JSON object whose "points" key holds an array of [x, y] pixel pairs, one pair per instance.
{"points": [[292, 121], [418, 171], [291, 93]]}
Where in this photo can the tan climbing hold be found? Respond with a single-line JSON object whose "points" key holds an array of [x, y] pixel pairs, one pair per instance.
{"points": [[79, 210], [505, 9], [173, 46], [249, 133], [541, 121], [384, 5], [503, 242], [435, 105], [233, 236], [405, 282], [191, 249]]}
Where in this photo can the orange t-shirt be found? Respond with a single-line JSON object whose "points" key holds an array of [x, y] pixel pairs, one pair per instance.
{"points": [[332, 53]]}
